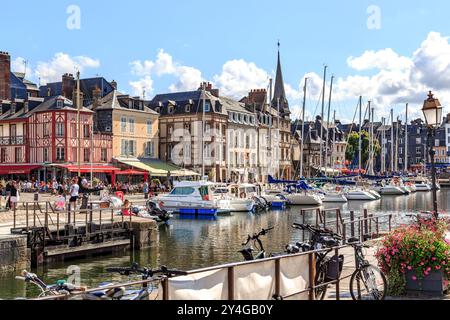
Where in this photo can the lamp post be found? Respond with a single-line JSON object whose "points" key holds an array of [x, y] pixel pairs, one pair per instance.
{"points": [[432, 111]]}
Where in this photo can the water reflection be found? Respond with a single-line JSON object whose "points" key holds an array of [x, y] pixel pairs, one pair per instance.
{"points": [[193, 243]]}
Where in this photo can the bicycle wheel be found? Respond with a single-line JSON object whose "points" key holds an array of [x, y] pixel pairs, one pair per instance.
{"points": [[321, 277], [368, 283]]}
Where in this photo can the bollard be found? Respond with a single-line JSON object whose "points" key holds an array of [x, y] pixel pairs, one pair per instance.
{"points": [[366, 222]]}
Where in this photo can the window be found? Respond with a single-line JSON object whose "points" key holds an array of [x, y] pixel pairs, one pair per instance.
{"points": [[3, 155], [13, 130], [60, 154], [104, 155], [207, 106], [418, 140], [171, 109], [187, 108], [131, 123], [45, 154], [437, 143], [87, 155], [149, 127], [59, 104], [418, 150], [46, 131], [169, 151], [60, 129], [128, 148], [1, 131], [150, 149], [123, 124], [418, 130], [183, 191], [18, 155], [86, 131]]}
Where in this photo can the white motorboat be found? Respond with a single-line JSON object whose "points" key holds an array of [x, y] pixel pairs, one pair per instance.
{"points": [[235, 198], [274, 196], [189, 195], [334, 195], [391, 189], [304, 199], [422, 184], [360, 195], [375, 193]]}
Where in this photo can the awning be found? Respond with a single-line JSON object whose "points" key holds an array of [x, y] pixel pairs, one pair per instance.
{"points": [[136, 163], [87, 169], [18, 169], [131, 172], [172, 169]]}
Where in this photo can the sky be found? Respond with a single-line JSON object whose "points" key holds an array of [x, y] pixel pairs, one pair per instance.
{"points": [[390, 52]]}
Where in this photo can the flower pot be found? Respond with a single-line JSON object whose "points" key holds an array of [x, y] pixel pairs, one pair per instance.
{"points": [[433, 284]]}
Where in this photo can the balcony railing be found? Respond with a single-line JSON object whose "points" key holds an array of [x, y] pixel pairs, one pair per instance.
{"points": [[8, 141]]}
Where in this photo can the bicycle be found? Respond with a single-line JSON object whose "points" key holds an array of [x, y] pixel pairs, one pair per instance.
{"points": [[325, 266], [367, 282], [146, 273], [61, 287], [257, 243]]}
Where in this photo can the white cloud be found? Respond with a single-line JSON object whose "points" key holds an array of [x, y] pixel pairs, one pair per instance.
{"points": [[187, 78], [18, 65], [386, 59], [144, 84], [61, 63], [238, 77]]}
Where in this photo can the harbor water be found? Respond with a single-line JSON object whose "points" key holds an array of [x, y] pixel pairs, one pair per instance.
{"points": [[189, 244]]}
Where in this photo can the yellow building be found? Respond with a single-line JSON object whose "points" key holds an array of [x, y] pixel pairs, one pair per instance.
{"points": [[133, 125]]}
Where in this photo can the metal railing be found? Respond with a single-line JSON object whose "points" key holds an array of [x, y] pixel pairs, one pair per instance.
{"points": [[231, 283]]}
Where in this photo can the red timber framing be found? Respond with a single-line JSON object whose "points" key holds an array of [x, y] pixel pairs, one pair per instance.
{"points": [[56, 131]]}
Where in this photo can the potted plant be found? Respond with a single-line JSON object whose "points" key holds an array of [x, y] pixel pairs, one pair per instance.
{"points": [[416, 258]]}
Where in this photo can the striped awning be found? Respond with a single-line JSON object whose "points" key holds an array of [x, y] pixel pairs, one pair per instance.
{"points": [[136, 163]]}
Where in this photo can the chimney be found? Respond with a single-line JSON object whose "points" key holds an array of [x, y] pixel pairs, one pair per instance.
{"points": [[208, 87], [68, 85], [5, 74], [114, 84], [97, 95]]}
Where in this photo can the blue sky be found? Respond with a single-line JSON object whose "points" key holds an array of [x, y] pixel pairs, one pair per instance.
{"points": [[205, 35]]}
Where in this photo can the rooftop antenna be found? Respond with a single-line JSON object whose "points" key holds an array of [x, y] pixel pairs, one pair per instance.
{"points": [[25, 63], [143, 93]]}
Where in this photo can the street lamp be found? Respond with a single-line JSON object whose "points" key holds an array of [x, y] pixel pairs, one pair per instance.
{"points": [[432, 111]]}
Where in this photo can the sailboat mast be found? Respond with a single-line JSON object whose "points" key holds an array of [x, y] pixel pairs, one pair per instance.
{"points": [[322, 116], [369, 163], [328, 121], [203, 129], [406, 140], [360, 134], [383, 137], [372, 151], [396, 144], [303, 128], [78, 124], [392, 141], [334, 141]]}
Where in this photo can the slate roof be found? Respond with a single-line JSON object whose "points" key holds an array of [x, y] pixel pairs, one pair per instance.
{"points": [[114, 100], [181, 99], [87, 87]]}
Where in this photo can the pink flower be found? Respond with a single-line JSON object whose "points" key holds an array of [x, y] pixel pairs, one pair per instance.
{"points": [[438, 267], [434, 258], [409, 268], [414, 278]]}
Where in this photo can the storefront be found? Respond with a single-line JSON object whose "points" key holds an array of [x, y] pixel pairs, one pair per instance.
{"points": [[17, 172]]}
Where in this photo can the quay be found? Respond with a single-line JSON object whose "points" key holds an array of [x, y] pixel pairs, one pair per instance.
{"points": [[37, 234]]}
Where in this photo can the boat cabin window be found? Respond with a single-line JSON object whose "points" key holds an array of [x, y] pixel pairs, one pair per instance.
{"points": [[182, 191], [221, 191]]}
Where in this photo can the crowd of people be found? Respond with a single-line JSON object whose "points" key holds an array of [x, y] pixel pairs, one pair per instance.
{"points": [[72, 188]]}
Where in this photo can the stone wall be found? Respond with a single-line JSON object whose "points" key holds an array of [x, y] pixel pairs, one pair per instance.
{"points": [[14, 254]]}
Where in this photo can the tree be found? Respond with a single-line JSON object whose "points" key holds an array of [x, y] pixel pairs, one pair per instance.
{"points": [[352, 151]]}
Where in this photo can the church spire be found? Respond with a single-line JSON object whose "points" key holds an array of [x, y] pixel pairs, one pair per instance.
{"points": [[279, 91]]}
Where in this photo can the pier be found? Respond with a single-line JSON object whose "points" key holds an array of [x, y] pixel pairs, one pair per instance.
{"points": [[51, 235]]}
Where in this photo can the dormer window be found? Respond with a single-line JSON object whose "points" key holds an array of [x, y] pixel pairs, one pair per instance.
{"points": [[207, 106], [171, 109], [187, 108], [158, 110], [59, 104], [245, 119], [130, 104]]}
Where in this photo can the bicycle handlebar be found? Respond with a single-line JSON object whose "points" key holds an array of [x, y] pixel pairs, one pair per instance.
{"points": [[256, 236], [317, 230]]}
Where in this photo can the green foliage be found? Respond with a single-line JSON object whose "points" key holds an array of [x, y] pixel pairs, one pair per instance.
{"points": [[353, 147]]}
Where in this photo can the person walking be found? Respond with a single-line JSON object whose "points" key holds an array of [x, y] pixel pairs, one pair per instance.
{"points": [[14, 196], [74, 192], [145, 188]]}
